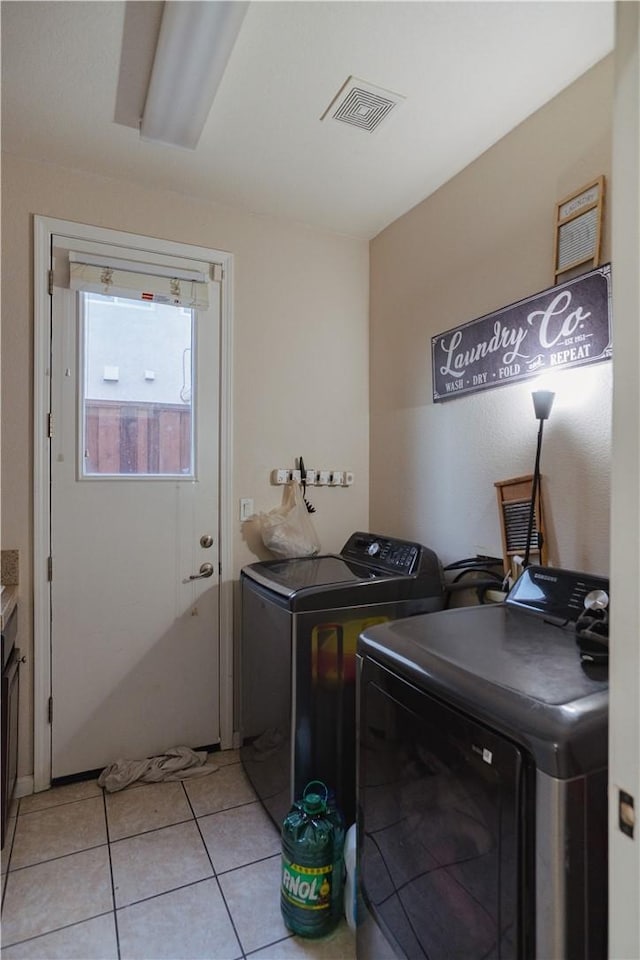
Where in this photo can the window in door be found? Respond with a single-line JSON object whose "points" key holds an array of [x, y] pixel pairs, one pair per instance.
{"points": [[137, 360]]}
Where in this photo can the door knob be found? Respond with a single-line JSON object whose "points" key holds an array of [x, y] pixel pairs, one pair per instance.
{"points": [[206, 570], [206, 540]]}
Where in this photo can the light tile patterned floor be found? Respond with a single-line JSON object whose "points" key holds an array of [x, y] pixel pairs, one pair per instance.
{"points": [[166, 871]]}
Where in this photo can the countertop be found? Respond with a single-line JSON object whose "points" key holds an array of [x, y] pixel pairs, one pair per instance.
{"points": [[8, 602]]}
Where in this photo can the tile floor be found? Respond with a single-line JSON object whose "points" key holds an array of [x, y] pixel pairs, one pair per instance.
{"points": [[178, 870]]}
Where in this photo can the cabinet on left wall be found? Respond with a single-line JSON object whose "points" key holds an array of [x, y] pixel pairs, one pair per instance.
{"points": [[11, 661]]}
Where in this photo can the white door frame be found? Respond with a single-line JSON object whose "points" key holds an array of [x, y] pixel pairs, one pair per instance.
{"points": [[624, 667], [44, 229]]}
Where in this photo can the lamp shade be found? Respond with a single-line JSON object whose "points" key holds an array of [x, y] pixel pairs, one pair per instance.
{"points": [[542, 403]]}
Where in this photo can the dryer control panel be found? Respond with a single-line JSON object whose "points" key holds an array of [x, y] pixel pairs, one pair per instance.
{"points": [[558, 594]]}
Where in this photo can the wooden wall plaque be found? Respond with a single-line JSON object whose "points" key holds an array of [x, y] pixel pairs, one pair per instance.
{"points": [[578, 231]]}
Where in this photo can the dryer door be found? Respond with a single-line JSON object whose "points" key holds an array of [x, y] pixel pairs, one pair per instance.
{"points": [[444, 864]]}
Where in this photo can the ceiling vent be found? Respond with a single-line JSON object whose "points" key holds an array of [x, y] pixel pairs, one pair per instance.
{"points": [[361, 104]]}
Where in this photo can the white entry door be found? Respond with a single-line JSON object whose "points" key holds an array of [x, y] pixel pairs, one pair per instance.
{"points": [[134, 505]]}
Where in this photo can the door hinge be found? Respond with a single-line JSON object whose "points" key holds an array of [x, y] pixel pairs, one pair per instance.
{"points": [[50, 426], [49, 569], [50, 282], [50, 709]]}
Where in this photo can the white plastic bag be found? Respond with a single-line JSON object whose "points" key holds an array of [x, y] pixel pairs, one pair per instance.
{"points": [[287, 530], [351, 883]]}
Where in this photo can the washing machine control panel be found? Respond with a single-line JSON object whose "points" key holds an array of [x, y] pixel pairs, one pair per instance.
{"points": [[385, 553]]}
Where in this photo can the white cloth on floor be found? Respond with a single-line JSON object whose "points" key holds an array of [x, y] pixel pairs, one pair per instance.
{"points": [[177, 763]]}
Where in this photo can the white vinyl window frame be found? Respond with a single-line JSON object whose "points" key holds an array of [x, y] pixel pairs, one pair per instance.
{"points": [[45, 228], [81, 440]]}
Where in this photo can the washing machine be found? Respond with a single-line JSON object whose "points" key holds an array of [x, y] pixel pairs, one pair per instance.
{"points": [[482, 778], [301, 619]]}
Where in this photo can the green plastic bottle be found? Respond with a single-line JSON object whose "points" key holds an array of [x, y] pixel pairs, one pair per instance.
{"points": [[311, 893]]}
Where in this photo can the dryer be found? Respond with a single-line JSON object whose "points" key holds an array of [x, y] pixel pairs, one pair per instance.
{"points": [[482, 776]]}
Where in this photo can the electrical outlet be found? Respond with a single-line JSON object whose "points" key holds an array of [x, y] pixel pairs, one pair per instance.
{"points": [[336, 478], [323, 478], [310, 478], [296, 475], [246, 508]]}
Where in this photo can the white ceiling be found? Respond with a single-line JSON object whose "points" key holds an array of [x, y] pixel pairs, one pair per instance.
{"points": [[470, 72]]}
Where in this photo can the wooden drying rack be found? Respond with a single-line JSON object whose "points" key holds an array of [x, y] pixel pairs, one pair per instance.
{"points": [[514, 506]]}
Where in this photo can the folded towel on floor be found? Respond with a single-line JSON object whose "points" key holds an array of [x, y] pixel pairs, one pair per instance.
{"points": [[177, 763]]}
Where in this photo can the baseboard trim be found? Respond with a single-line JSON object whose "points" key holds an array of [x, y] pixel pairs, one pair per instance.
{"points": [[24, 787]]}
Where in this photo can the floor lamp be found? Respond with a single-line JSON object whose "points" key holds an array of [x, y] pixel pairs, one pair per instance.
{"points": [[542, 403]]}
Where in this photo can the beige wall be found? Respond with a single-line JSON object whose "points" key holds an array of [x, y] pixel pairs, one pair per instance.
{"points": [[483, 241], [300, 368]]}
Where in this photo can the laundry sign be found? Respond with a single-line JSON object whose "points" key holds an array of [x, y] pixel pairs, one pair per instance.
{"points": [[565, 326]]}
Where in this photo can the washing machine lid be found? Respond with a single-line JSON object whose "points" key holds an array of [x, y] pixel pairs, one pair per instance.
{"points": [[289, 577], [371, 568]]}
